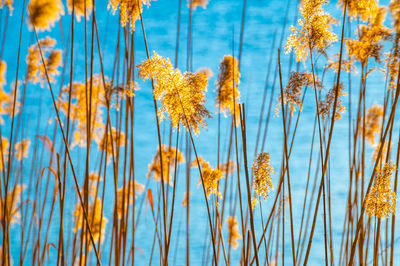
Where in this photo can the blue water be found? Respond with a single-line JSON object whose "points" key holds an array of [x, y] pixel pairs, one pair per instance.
{"points": [[212, 39]]}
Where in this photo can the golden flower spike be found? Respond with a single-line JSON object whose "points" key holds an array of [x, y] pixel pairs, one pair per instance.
{"points": [[233, 230], [373, 123], [79, 108], [364, 9], [43, 14], [313, 32], [182, 96], [130, 10], [7, 3], [262, 171], [370, 38], [125, 196], [211, 177], [292, 91], [326, 105], [394, 8], [13, 204], [381, 200], [52, 59], [96, 220], [227, 86], [168, 162], [22, 149], [80, 8]]}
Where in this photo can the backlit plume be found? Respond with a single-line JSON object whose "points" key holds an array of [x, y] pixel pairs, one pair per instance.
{"points": [[370, 38], [233, 230], [262, 171], [13, 204], [364, 9], [7, 3], [22, 149], [43, 14], [326, 106], [96, 220], [381, 200], [211, 177], [292, 92], [313, 30], [3, 152], [52, 59], [228, 95], [114, 141], [169, 154], [80, 107], [3, 70], [394, 8], [125, 195], [182, 96], [373, 123], [130, 10], [80, 8]]}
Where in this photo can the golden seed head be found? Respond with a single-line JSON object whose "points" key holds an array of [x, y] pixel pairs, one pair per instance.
{"points": [[96, 220], [13, 211], [52, 59], [130, 10], [373, 123], [228, 95], [292, 92], [211, 177], [313, 30], [43, 14], [326, 105], [7, 3], [381, 200], [363, 9], [262, 171], [80, 8], [169, 154], [125, 195], [22, 149], [370, 38], [233, 230], [182, 96]]}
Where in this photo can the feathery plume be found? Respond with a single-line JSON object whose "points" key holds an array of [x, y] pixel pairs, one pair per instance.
{"points": [[314, 30], [13, 204], [370, 38], [52, 59], [364, 9], [326, 105], [130, 10], [227, 86], [43, 14], [233, 230], [80, 8], [169, 154], [262, 171], [182, 96], [381, 200], [22, 149], [96, 220], [373, 123], [292, 91], [211, 177]]}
